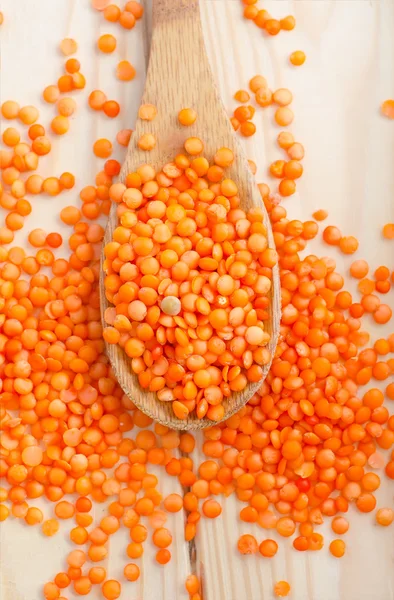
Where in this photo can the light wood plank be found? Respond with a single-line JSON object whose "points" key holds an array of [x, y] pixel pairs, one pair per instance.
{"points": [[348, 170]]}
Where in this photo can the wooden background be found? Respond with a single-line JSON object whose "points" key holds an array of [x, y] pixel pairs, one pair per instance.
{"points": [[348, 170]]}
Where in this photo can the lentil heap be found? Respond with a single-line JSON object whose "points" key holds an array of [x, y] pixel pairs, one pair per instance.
{"points": [[189, 275], [309, 444]]}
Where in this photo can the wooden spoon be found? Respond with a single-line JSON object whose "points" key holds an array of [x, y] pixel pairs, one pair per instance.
{"points": [[179, 76]]}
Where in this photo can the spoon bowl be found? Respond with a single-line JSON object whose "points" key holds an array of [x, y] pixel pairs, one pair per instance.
{"points": [[179, 76]]}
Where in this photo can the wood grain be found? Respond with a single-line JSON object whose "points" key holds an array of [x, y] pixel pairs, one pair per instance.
{"points": [[349, 153], [348, 171], [179, 76]]}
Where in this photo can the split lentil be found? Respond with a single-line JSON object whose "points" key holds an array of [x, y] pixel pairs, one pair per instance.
{"points": [[388, 109], [106, 43], [298, 453], [297, 58]]}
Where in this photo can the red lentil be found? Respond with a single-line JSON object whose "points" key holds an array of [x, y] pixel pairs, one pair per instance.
{"points": [[106, 43], [68, 46], [281, 589], [125, 71], [297, 58], [388, 109], [305, 441], [388, 231]]}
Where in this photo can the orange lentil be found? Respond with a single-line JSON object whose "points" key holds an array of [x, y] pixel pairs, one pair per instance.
{"points": [[111, 108], [388, 231], [337, 548], [10, 109], [173, 503], [281, 589], [147, 142], [163, 556], [64, 510], [66, 106], [111, 589], [11, 136], [247, 544], [320, 215], [283, 97], [76, 558], [97, 574], [194, 146], [60, 125], [284, 116], [268, 548], [297, 58], [257, 82], [147, 112], [287, 187], [97, 99], [78, 81], [106, 43], [51, 591], [251, 12], [285, 526], [34, 516], [99, 4], [125, 71], [131, 572], [263, 96], [359, 269], [211, 509], [51, 94], [72, 65], [387, 109], [192, 584], [112, 13], [332, 235], [285, 139], [293, 169], [123, 137], [242, 96], [382, 314], [162, 537], [247, 128], [296, 151], [243, 113], [62, 580], [288, 23], [187, 116], [50, 527], [102, 148], [67, 180], [339, 525], [135, 8], [385, 516], [272, 26], [68, 46], [348, 244], [82, 586], [4, 512], [127, 19], [28, 115]]}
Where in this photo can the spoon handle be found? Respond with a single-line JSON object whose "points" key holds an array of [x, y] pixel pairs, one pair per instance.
{"points": [[170, 9], [179, 73]]}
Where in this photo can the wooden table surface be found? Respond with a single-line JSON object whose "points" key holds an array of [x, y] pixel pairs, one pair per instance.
{"points": [[348, 170]]}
